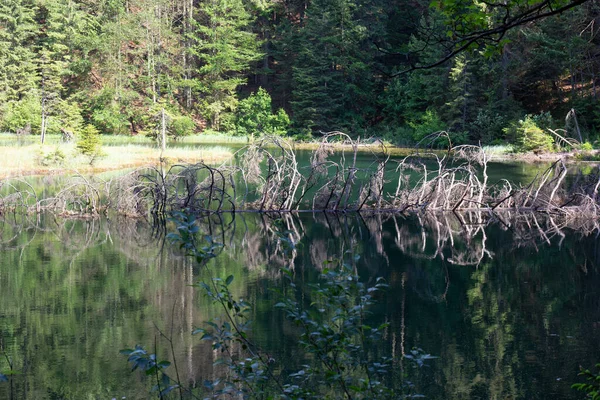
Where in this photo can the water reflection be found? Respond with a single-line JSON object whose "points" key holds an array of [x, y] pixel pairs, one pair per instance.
{"points": [[509, 303]]}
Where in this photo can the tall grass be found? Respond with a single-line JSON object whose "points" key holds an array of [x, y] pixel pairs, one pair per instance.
{"points": [[214, 138], [111, 140], [499, 149], [60, 158]]}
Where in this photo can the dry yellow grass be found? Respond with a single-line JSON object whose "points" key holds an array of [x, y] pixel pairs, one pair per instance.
{"points": [[35, 160]]}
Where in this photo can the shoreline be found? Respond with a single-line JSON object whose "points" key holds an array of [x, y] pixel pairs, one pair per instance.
{"points": [[27, 159], [571, 157]]}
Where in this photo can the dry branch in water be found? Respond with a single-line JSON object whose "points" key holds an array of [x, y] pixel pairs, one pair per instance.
{"points": [[267, 177]]}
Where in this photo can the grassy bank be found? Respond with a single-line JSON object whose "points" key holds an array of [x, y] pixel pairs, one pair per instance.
{"points": [[55, 159], [22, 155], [10, 138]]}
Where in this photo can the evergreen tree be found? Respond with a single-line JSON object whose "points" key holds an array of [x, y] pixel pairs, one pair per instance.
{"points": [[225, 48], [17, 56], [459, 106], [62, 59], [408, 97], [332, 72]]}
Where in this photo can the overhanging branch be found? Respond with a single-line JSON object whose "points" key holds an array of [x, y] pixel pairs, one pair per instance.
{"points": [[464, 42]]}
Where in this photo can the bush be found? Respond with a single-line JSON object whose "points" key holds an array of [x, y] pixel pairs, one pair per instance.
{"points": [[487, 127], [18, 114], [254, 116], [586, 146], [68, 118], [528, 136], [398, 135], [458, 138], [177, 125], [588, 116], [426, 124], [108, 115], [110, 120], [543, 120], [181, 126]]}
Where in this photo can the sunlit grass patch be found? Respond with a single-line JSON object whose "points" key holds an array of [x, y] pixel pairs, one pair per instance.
{"points": [[214, 138], [55, 159], [122, 139], [499, 149]]}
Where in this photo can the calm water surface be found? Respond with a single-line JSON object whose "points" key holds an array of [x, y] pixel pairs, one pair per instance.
{"points": [[510, 308], [508, 312]]}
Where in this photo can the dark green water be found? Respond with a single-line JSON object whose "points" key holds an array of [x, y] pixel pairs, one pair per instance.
{"points": [[508, 313]]}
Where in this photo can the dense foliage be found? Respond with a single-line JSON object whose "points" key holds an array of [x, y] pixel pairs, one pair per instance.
{"points": [[329, 65]]}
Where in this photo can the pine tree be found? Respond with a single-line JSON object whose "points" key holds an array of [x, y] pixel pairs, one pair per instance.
{"points": [[333, 69], [225, 48], [459, 106], [65, 30], [17, 57]]}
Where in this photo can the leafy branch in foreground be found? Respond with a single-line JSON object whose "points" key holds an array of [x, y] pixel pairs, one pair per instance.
{"points": [[7, 374], [340, 361], [592, 389], [335, 333], [139, 358]]}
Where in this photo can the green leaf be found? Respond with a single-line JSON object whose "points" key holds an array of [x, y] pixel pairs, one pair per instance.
{"points": [[229, 280]]}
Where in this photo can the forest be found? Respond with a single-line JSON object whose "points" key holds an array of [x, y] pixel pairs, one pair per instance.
{"points": [[396, 70], [340, 212]]}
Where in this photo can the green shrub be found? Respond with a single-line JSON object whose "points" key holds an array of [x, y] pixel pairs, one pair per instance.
{"points": [[487, 127], [181, 126], [110, 120], [68, 118], [528, 136], [458, 138], [280, 121], [108, 115], [177, 126], [18, 114], [255, 117], [398, 135], [588, 116], [543, 120], [586, 146], [426, 124]]}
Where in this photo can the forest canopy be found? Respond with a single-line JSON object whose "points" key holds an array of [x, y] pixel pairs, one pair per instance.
{"points": [[395, 69]]}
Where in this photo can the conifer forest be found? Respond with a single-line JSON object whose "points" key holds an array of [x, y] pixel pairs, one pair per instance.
{"points": [[396, 69]]}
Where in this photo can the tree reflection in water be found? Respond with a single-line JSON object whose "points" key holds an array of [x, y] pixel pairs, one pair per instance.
{"points": [[509, 302]]}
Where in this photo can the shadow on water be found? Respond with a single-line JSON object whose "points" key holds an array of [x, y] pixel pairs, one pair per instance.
{"points": [[511, 305]]}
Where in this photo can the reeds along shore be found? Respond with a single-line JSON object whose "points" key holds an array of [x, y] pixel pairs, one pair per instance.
{"points": [[267, 177]]}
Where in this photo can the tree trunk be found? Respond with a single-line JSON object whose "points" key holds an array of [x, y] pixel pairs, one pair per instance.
{"points": [[44, 117], [163, 131]]}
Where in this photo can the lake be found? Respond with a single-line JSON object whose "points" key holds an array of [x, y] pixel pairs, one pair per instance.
{"points": [[508, 304], [509, 310]]}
